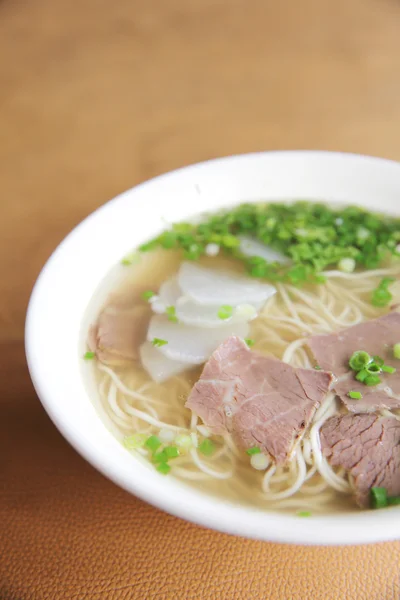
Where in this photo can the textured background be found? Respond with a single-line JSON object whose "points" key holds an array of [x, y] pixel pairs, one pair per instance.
{"points": [[96, 96]]}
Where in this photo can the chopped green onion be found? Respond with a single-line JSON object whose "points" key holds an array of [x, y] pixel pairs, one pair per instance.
{"points": [[254, 450], [160, 457], [318, 368], [359, 360], [381, 295], [171, 451], [137, 440], [152, 443], [378, 360], [89, 355], [158, 342], [207, 447], [347, 265], [372, 380], [304, 513], [362, 375], [225, 312], [355, 395], [163, 468], [373, 368], [249, 342], [388, 369], [379, 497], [393, 500], [147, 295], [183, 441], [170, 311], [396, 350], [130, 259]]}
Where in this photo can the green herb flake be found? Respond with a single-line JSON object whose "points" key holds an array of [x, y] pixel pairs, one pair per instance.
{"points": [[137, 440], [207, 447], [372, 380], [152, 443], [318, 368], [225, 312], [171, 452], [378, 496], [304, 513], [362, 375], [249, 342], [388, 369], [381, 296], [359, 360], [253, 450], [170, 311], [158, 342], [89, 355], [148, 294], [355, 395], [130, 259], [396, 350], [163, 468]]}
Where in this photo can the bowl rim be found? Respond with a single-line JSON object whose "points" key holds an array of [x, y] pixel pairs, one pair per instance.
{"points": [[204, 510]]}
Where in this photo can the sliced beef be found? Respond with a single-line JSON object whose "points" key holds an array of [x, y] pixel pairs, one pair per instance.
{"points": [[118, 333], [368, 447], [332, 352], [262, 401]]}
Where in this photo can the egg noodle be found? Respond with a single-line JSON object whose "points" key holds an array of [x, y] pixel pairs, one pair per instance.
{"points": [[134, 403]]}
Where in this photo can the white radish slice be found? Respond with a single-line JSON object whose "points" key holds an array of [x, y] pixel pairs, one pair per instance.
{"points": [[213, 287], [251, 247], [191, 313], [167, 296], [189, 344], [160, 367]]}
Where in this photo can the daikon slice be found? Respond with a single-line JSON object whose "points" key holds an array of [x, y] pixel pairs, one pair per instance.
{"points": [[252, 247], [215, 287], [167, 296], [188, 344], [160, 367]]}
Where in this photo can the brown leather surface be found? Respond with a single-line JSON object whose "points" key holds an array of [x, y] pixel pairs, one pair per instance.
{"points": [[96, 96]]}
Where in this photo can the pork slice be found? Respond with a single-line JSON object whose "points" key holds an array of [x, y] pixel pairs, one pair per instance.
{"points": [[368, 447], [261, 401], [332, 352], [118, 333]]}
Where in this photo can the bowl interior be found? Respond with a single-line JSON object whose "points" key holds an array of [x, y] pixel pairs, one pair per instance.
{"points": [[74, 271]]}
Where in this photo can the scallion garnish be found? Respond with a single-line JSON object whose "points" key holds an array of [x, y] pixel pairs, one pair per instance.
{"points": [[388, 369], [158, 342], [359, 360], [396, 350], [137, 440], [207, 447], [318, 368], [163, 468], [379, 497], [89, 355], [373, 368], [372, 380], [148, 294], [249, 342], [171, 452], [152, 443], [362, 375], [304, 513], [355, 395], [225, 312], [170, 311], [378, 360], [253, 450], [381, 295]]}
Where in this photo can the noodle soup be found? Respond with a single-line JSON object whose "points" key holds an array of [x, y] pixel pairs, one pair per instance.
{"points": [[150, 416]]}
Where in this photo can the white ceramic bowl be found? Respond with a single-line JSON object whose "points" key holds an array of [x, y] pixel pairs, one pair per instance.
{"points": [[68, 280]]}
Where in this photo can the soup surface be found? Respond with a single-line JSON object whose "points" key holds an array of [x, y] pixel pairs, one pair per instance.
{"points": [[310, 298]]}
